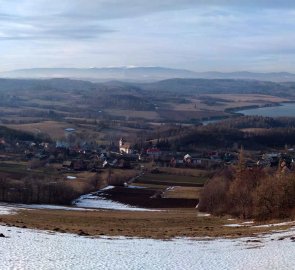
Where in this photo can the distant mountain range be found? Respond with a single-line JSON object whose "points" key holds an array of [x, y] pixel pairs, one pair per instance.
{"points": [[140, 74]]}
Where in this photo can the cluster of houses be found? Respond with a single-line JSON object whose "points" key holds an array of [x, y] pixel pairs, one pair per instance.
{"points": [[89, 156], [166, 158], [284, 160]]}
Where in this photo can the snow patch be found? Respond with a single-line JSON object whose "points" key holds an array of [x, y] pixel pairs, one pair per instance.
{"points": [[233, 225], [69, 177], [275, 224], [6, 210], [99, 202], [200, 214], [12, 208], [108, 188], [248, 222], [243, 224], [135, 187]]}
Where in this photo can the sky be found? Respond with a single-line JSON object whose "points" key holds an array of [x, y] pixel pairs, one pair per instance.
{"points": [[204, 35]]}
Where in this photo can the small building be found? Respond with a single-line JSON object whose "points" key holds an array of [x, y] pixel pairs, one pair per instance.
{"points": [[124, 147], [187, 159], [67, 164]]}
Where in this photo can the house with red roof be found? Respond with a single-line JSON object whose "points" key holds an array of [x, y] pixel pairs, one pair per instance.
{"points": [[153, 152]]}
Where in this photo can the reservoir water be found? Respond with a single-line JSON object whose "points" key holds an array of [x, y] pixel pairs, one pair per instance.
{"points": [[284, 110]]}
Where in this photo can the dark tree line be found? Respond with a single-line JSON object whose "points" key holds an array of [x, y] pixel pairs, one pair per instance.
{"points": [[226, 135], [258, 122], [15, 135], [36, 189]]}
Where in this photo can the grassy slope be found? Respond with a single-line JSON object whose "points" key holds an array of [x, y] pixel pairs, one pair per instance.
{"points": [[166, 224]]}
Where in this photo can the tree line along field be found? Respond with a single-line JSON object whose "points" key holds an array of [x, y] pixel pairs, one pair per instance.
{"points": [[21, 184]]}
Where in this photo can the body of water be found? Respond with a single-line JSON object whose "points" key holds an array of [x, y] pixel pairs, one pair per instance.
{"points": [[285, 110]]}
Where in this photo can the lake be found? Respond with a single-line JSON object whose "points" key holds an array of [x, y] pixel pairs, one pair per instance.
{"points": [[285, 110]]}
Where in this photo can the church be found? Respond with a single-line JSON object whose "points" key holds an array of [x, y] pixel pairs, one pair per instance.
{"points": [[124, 147]]}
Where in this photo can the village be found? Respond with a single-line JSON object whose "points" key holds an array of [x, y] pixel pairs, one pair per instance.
{"points": [[68, 154]]}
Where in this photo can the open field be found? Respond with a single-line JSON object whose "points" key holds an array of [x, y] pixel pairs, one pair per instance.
{"points": [[249, 98], [211, 103], [18, 170], [182, 192], [147, 197], [255, 130], [149, 115], [52, 128], [56, 129], [186, 116], [14, 170], [184, 171], [158, 225], [172, 180]]}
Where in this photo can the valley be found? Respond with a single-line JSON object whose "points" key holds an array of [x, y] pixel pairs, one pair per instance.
{"points": [[147, 135]]}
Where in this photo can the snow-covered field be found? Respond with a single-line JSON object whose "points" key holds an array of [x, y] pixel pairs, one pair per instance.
{"points": [[99, 202], [29, 249]]}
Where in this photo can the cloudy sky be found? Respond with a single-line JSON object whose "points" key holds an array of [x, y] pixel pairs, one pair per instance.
{"points": [[201, 35]]}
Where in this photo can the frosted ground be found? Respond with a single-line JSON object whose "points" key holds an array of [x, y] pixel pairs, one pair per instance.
{"points": [[31, 249], [99, 202]]}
